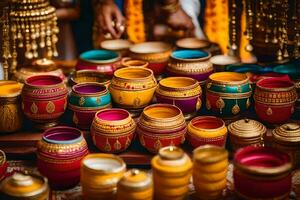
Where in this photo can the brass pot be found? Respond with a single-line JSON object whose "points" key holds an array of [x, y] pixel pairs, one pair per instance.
{"points": [[10, 112]]}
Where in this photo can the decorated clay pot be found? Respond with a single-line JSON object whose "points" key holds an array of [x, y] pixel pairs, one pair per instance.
{"points": [[172, 170], [3, 164], [132, 87], [135, 185], [99, 176], [180, 91], [210, 171], [161, 125], [83, 76], [246, 132], [204, 130], [44, 99], [85, 100], [192, 43], [113, 130], [190, 63], [129, 62], [220, 62], [287, 138], [275, 99], [10, 110], [262, 173], [228, 93], [22, 185], [156, 53], [119, 45], [104, 61], [59, 154]]}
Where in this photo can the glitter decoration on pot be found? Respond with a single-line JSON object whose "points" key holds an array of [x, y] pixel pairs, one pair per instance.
{"points": [[287, 138], [204, 130], [104, 61], [262, 173], [210, 171], [275, 99], [113, 130], [228, 93], [11, 117], [135, 185], [85, 100], [132, 87], [183, 92], [59, 154], [246, 132], [172, 170], [44, 100], [99, 176], [21, 185], [161, 125]]}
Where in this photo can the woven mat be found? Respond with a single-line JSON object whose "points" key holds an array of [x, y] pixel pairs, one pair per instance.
{"points": [[75, 193]]}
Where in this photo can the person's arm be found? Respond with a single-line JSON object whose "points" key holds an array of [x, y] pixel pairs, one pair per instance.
{"points": [[110, 18]]}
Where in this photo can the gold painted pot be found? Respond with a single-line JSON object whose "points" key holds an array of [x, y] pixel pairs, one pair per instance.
{"points": [[287, 138], [99, 176], [24, 186], [129, 62], [183, 92], [10, 111], [210, 171], [206, 130], [171, 173], [133, 87], [246, 132], [135, 185]]}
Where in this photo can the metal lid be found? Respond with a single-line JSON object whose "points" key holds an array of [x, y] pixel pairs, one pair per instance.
{"points": [[171, 153], [135, 179], [289, 132], [24, 185], [247, 128]]}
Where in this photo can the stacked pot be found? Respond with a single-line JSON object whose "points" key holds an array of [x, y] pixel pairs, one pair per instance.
{"points": [[161, 125], [112, 130], [85, 100]]}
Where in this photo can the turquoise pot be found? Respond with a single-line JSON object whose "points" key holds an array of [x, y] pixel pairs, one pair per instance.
{"points": [[89, 95], [291, 69]]}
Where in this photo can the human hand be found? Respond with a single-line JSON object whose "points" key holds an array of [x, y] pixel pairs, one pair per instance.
{"points": [[111, 19]]}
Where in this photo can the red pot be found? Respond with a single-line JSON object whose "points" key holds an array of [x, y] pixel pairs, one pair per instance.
{"points": [[197, 141], [112, 130], [59, 156], [262, 173], [275, 99], [3, 165], [44, 99]]}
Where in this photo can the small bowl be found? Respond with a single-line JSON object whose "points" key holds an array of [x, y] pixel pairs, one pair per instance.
{"points": [[113, 130], [192, 43], [220, 62], [101, 60], [291, 69], [207, 130], [128, 62], [156, 53], [119, 45], [83, 76]]}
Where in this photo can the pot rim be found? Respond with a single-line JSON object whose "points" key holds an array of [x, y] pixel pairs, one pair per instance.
{"points": [[85, 72], [112, 110], [207, 118], [11, 94], [103, 89], [284, 167], [44, 76], [235, 60], [48, 133], [244, 78], [270, 79], [164, 83], [127, 61], [206, 57], [167, 47], [114, 44], [220, 153], [181, 43], [116, 75], [92, 61], [162, 105]]}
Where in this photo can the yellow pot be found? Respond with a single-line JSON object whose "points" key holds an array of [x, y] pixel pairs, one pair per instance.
{"points": [[210, 177], [171, 163], [133, 87], [99, 176], [10, 111], [135, 185]]}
